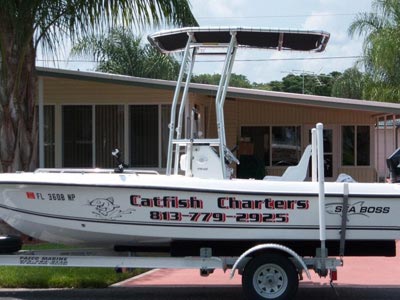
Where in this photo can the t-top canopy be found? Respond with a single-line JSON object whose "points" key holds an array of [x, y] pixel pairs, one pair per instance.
{"points": [[297, 40]]}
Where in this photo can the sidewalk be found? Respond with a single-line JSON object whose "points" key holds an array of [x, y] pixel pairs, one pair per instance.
{"points": [[357, 271]]}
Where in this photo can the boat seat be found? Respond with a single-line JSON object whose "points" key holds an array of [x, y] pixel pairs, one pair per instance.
{"points": [[345, 178], [295, 173]]}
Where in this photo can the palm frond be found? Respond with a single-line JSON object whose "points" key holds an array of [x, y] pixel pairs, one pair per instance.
{"points": [[381, 49], [122, 52]]}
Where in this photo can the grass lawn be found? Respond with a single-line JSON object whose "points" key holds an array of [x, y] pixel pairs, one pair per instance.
{"points": [[60, 277]]}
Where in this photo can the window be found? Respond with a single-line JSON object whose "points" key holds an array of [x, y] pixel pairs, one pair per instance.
{"points": [[149, 135], [274, 145], [109, 134], [258, 137], [77, 136], [78, 143], [328, 153], [91, 132], [165, 118], [144, 135], [355, 145], [286, 147]]}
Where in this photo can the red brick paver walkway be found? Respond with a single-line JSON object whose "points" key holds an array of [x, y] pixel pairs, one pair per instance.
{"points": [[363, 271]]}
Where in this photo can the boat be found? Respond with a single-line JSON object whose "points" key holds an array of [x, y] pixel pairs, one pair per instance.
{"points": [[197, 203]]}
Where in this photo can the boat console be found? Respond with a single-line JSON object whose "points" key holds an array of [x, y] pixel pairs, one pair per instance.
{"points": [[210, 158], [393, 163]]}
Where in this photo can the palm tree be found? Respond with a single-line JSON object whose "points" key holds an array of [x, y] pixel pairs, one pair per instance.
{"points": [[120, 52], [26, 24], [381, 49], [350, 84]]}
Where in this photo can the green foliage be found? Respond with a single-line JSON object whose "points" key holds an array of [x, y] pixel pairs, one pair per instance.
{"points": [[294, 84], [60, 277], [26, 25], [238, 80], [305, 83], [81, 18], [120, 52], [271, 86], [349, 85], [381, 50], [308, 83], [235, 80]]}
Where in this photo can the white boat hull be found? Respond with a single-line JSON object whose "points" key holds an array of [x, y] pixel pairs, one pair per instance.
{"points": [[131, 209]]}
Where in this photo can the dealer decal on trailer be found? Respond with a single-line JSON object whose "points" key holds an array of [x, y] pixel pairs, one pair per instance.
{"points": [[236, 210], [43, 260]]}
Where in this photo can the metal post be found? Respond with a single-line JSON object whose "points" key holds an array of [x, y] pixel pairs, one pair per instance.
{"points": [[225, 90], [182, 109], [219, 114], [321, 188], [314, 155], [175, 102]]}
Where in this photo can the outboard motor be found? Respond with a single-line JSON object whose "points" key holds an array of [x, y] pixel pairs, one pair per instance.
{"points": [[393, 163]]}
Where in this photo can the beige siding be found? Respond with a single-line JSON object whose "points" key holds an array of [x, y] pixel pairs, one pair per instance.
{"points": [[231, 123], [275, 171], [238, 112], [258, 113], [68, 91], [361, 174], [231, 118]]}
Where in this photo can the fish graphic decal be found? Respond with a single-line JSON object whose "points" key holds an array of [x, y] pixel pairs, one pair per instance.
{"points": [[105, 208]]}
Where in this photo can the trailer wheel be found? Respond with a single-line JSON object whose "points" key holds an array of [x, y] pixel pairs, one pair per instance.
{"points": [[270, 276]]}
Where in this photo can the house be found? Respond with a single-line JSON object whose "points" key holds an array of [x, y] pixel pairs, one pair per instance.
{"points": [[85, 115]]}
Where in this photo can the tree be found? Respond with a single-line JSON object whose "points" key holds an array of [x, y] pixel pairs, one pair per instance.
{"points": [[306, 83], [235, 80], [26, 24], [349, 85], [270, 86], [294, 84], [120, 52], [381, 49]]}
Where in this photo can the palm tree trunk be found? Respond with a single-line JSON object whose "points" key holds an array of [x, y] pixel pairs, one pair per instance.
{"points": [[18, 127]]}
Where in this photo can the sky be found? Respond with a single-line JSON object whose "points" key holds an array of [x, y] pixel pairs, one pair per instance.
{"points": [[333, 16]]}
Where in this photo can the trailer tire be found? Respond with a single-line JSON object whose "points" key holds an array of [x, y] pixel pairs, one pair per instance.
{"points": [[270, 276]]}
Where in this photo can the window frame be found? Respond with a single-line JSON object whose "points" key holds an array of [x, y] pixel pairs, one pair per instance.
{"points": [[49, 138], [355, 145], [270, 130]]}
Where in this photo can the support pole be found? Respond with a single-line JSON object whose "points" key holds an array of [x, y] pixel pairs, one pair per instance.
{"points": [[314, 155], [321, 198], [175, 102], [321, 185], [219, 99], [344, 219], [182, 109], [225, 90]]}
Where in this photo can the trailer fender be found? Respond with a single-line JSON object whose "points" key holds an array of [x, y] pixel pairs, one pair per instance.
{"points": [[270, 246]]}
